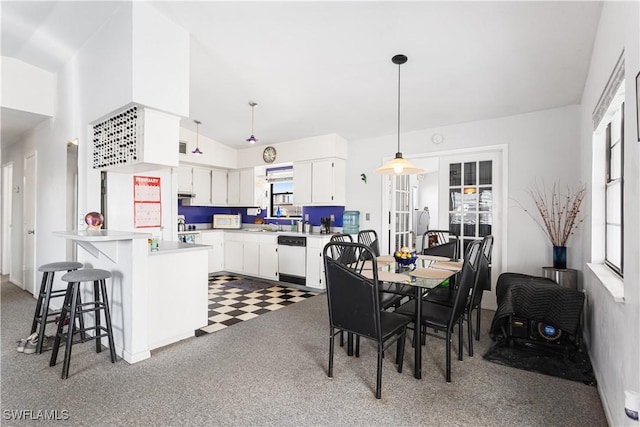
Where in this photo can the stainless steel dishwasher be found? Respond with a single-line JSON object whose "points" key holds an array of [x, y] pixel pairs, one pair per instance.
{"points": [[292, 259]]}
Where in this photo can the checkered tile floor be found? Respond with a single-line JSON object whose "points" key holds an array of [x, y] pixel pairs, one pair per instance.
{"points": [[228, 305]]}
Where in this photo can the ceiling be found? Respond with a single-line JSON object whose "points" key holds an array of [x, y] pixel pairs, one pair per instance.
{"points": [[325, 67]]}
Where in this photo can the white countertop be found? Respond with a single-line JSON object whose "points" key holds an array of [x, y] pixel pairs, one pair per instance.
{"points": [[277, 233], [101, 235], [168, 247]]}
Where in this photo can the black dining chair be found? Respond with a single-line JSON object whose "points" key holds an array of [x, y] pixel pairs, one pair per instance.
{"points": [[441, 243], [444, 318], [445, 296], [354, 304], [370, 238]]}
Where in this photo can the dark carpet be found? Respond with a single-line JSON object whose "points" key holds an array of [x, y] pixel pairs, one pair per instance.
{"points": [[566, 361]]}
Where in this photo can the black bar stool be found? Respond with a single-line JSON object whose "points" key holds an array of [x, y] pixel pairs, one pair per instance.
{"points": [[42, 314], [74, 308]]}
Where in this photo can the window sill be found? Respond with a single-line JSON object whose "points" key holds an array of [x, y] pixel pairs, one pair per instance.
{"points": [[611, 281]]}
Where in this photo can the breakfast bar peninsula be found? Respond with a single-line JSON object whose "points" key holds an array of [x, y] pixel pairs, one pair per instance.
{"points": [[144, 286]]}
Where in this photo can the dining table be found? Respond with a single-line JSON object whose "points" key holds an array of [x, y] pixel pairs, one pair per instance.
{"points": [[426, 273]]}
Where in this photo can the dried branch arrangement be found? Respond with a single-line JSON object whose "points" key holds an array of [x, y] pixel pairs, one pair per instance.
{"points": [[557, 213]]}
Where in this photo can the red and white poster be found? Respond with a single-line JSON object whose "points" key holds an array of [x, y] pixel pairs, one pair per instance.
{"points": [[146, 202]]}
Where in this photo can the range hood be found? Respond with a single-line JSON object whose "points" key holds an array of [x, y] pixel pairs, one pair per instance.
{"points": [[185, 195]]}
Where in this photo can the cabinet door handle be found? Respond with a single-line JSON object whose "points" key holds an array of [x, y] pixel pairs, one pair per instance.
{"points": [[31, 231]]}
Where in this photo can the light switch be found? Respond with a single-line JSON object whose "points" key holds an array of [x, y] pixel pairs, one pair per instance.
{"points": [[367, 216]]}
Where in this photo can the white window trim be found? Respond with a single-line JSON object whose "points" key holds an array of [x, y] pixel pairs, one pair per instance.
{"points": [[609, 280]]}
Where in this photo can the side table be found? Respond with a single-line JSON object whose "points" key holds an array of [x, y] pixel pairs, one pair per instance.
{"points": [[565, 277]]}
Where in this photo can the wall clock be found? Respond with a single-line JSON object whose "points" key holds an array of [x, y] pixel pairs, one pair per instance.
{"points": [[269, 154]]}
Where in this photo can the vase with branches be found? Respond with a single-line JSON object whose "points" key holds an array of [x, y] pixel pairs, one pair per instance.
{"points": [[558, 215]]}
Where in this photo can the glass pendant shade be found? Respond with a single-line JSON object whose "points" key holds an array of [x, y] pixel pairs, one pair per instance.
{"points": [[197, 150], [399, 165]]}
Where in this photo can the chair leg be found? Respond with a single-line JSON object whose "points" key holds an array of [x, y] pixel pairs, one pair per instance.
{"points": [[107, 318], [470, 333], [379, 374], [331, 339], [63, 315], [478, 323], [96, 306], [341, 339], [43, 311], [400, 349], [448, 356], [357, 345], [460, 338], [38, 312], [70, 330]]}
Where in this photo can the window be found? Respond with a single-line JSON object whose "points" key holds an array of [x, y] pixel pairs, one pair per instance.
{"points": [[614, 186], [281, 201]]}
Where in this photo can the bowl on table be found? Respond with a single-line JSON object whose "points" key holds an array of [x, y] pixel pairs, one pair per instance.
{"points": [[407, 259]]}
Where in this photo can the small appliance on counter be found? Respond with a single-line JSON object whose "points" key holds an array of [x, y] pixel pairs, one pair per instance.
{"points": [[325, 225], [182, 226], [226, 221]]}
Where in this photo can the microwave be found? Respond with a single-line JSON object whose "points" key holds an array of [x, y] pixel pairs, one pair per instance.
{"points": [[227, 221]]}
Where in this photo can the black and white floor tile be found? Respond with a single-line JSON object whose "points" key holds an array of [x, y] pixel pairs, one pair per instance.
{"points": [[229, 305]]}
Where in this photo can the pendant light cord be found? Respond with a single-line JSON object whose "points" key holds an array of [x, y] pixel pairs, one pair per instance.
{"points": [[399, 108]]}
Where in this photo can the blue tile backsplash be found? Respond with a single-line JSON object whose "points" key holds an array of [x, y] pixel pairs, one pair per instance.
{"points": [[203, 214]]}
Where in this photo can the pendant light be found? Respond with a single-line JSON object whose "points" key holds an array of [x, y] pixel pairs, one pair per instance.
{"points": [[252, 139], [197, 150], [399, 165]]}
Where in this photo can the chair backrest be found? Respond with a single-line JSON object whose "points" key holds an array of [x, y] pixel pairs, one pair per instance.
{"points": [[354, 303], [484, 279], [467, 279], [442, 243], [342, 237], [370, 238]]}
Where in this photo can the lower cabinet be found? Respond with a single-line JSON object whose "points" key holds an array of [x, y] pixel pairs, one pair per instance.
{"points": [[216, 253], [315, 262], [251, 254]]}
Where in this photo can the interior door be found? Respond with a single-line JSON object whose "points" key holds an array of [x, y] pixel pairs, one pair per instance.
{"points": [[471, 196], [29, 223], [400, 213], [7, 196]]}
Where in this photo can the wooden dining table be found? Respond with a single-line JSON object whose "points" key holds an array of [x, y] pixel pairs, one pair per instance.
{"points": [[427, 273]]}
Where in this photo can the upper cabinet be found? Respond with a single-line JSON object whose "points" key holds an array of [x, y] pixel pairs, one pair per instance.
{"points": [[209, 186], [241, 187], [185, 179], [319, 182]]}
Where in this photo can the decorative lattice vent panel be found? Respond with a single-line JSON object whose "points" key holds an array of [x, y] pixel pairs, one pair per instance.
{"points": [[117, 140]]}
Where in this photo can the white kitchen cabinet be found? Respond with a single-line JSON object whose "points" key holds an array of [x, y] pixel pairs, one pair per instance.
{"points": [[233, 187], [218, 187], [302, 175], [185, 179], [319, 182], [208, 185], [233, 252], [241, 187], [201, 187], [215, 239], [247, 187], [315, 263], [268, 254], [251, 262], [254, 254]]}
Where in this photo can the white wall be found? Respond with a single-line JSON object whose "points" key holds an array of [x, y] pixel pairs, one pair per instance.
{"points": [[613, 328], [160, 60], [27, 88], [214, 154], [541, 144]]}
